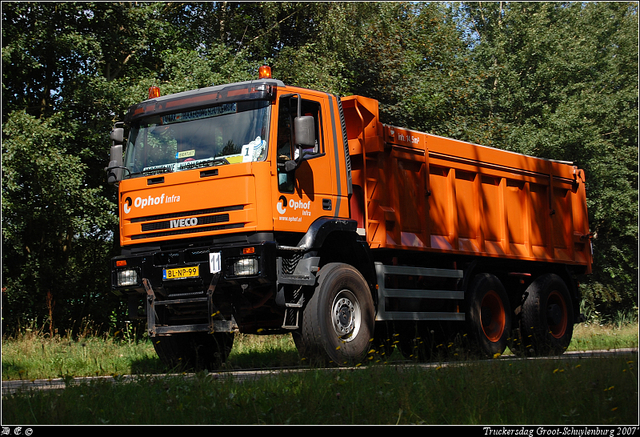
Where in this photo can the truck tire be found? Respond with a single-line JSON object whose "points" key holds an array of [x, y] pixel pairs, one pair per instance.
{"points": [[488, 315], [338, 321], [194, 350], [547, 316]]}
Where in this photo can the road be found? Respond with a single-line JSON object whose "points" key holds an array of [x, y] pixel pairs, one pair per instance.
{"points": [[9, 387]]}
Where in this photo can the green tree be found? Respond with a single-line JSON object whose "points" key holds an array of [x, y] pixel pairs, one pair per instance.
{"points": [[561, 83], [50, 218], [557, 80], [70, 70]]}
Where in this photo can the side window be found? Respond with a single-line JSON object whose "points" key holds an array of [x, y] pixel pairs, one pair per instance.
{"points": [[286, 149]]}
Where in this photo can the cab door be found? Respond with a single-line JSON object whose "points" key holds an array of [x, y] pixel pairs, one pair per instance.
{"points": [[308, 191]]}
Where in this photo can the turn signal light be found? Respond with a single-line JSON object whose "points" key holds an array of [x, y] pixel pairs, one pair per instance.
{"points": [[264, 72], [154, 92]]}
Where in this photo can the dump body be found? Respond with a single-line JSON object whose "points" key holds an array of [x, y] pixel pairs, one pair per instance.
{"points": [[416, 191]]}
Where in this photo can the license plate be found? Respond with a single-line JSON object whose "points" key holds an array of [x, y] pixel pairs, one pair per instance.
{"points": [[181, 273]]}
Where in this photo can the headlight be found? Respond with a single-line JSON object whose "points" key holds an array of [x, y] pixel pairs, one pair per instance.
{"points": [[245, 267], [126, 278]]}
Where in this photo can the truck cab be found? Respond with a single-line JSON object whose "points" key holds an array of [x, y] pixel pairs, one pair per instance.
{"points": [[217, 189]]}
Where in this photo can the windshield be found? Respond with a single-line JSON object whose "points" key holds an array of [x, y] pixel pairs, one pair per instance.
{"points": [[216, 135]]}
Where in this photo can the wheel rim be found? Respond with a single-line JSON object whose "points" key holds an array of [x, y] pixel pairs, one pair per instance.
{"points": [[346, 316], [493, 316], [557, 314]]}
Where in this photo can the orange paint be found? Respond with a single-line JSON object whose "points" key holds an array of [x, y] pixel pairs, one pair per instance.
{"points": [[410, 190], [425, 192]]}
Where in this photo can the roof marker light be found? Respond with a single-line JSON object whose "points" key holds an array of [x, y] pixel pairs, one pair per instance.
{"points": [[264, 72], [154, 92]]}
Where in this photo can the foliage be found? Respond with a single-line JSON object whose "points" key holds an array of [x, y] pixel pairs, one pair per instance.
{"points": [[562, 84], [557, 80], [55, 227]]}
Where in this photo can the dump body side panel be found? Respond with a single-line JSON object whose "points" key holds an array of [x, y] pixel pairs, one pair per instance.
{"points": [[424, 192]]}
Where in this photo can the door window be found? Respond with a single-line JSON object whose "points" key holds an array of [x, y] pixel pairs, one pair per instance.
{"points": [[286, 149]]}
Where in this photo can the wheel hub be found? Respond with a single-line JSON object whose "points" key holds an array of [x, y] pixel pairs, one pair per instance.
{"points": [[492, 316], [557, 316], [345, 315], [554, 314], [485, 315]]}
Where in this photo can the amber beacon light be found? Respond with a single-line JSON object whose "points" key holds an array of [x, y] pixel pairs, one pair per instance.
{"points": [[154, 92], [264, 72]]}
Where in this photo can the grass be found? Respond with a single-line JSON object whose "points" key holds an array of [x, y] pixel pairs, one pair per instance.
{"points": [[604, 337], [31, 355], [499, 392]]}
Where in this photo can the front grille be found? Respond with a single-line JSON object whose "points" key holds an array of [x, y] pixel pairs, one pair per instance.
{"points": [[174, 223], [186, 222], [187, 231], [175, 215]]}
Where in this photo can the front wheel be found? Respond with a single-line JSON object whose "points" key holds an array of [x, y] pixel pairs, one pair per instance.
{"points": [[338, 321]]}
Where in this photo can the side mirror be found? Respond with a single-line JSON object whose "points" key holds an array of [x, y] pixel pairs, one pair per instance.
{"points": [[115, 170], [304, 137], [304, 131], [117, 135], [290, 166]]}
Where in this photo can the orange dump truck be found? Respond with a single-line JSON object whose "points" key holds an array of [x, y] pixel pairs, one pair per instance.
{"points": [[258, 207]]}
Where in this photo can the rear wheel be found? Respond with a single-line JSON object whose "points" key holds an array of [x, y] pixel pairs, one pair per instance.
{"points": [[547, 316], [488, 315], [194, 350], [338, 321]]}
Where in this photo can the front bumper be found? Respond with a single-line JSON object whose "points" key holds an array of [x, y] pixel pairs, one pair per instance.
{"points": [[195, 288], [190, 270]]}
